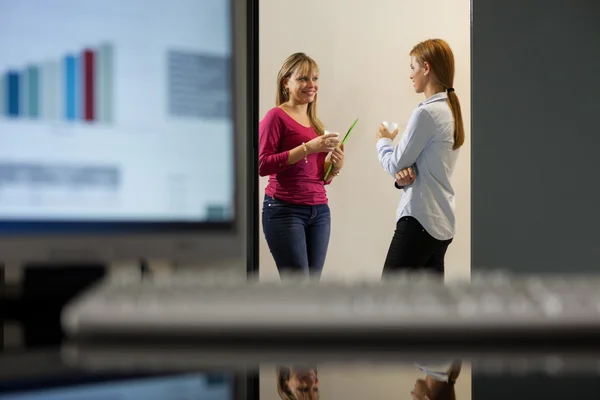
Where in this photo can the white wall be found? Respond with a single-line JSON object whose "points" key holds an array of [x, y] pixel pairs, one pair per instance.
{"points": [[362, 51]]}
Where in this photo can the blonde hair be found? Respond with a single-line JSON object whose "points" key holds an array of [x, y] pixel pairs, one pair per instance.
{"points": [[283, 390], [304, 65], [438, 54]]}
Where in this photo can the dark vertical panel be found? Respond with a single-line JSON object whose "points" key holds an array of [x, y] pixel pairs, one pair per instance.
{"points": [[535, 387], [535, 141], [536, 135], [252, 247], [252, 170]]}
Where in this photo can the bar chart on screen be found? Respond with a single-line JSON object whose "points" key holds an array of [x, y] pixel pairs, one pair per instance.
{"points": [[110, 111], [75, 87]]}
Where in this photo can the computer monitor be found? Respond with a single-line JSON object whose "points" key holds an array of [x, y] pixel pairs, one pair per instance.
{"points": [[122, 130], [126, 386]]}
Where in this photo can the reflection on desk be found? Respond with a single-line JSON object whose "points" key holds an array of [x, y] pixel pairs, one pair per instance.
{"points": [[487, 361], [296, 382], [183, 386], [313, 373]]}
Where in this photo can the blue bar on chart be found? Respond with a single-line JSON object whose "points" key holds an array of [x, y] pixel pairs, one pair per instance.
{"points": [[33, 83], [104, 83], [3, 96], [13, 90], [72, 86]]}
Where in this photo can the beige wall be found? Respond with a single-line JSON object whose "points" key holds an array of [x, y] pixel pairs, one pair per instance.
{"points": [[364, 382], [362, 50]]}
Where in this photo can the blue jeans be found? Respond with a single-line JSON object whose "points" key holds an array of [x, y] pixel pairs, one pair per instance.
{"points": [[297, 235]]}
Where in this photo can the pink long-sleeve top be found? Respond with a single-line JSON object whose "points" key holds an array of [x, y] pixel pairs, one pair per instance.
{"points": [[300, 183]]}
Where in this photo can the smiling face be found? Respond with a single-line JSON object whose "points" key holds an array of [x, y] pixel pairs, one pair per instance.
{"points": [[303, 84], [304, 383], [299, 383]]}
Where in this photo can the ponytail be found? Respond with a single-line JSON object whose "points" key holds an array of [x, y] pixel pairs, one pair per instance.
{"points": [[459, 128]]}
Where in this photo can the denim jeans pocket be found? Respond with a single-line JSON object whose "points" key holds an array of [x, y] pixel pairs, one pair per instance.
{"points": [[270, 202], [273, 207]]}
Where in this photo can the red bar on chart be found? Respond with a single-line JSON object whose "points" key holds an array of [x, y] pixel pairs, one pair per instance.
{"points": [[88, 85]]}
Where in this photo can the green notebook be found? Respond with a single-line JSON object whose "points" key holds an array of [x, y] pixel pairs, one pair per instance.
{"points": [[343, 142]]}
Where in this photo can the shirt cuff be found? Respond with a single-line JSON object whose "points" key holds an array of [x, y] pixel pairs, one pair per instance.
{"points": [[282, 160], [384, 142]]}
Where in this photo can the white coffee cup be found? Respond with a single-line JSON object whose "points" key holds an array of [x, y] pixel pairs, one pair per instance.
{"points": [[337, 135], [390, 126]]}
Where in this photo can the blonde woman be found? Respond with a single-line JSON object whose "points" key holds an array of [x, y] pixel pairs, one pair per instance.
{"points": [[292, 150]]}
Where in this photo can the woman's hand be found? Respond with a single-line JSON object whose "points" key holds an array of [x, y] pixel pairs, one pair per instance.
{"points": [[405, 177], [323, 143], [384, 133], [337, 158]]}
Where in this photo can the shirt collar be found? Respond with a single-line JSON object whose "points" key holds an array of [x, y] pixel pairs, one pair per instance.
{"points": [[436, 97]]}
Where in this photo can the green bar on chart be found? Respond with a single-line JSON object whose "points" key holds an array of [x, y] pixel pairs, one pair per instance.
{"points": [[104, 90], [33, 75]]}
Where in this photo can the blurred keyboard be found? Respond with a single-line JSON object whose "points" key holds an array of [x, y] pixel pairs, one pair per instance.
{"points": [[405, 305]]}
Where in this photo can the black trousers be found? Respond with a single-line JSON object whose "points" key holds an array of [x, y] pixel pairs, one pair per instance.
{"points": [[413, 248]]}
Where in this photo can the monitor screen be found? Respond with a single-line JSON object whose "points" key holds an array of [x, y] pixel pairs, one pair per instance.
{"points": [[116, 116], [185, 386]]}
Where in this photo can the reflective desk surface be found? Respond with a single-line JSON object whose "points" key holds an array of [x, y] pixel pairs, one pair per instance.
{"points": [[302, 371]]}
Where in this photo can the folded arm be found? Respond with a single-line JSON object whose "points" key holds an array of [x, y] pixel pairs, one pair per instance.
{"points": [[406, 177], [418, 134]]}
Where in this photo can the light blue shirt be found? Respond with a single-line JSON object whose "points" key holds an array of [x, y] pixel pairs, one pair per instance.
{"points": [[426, 145]]}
